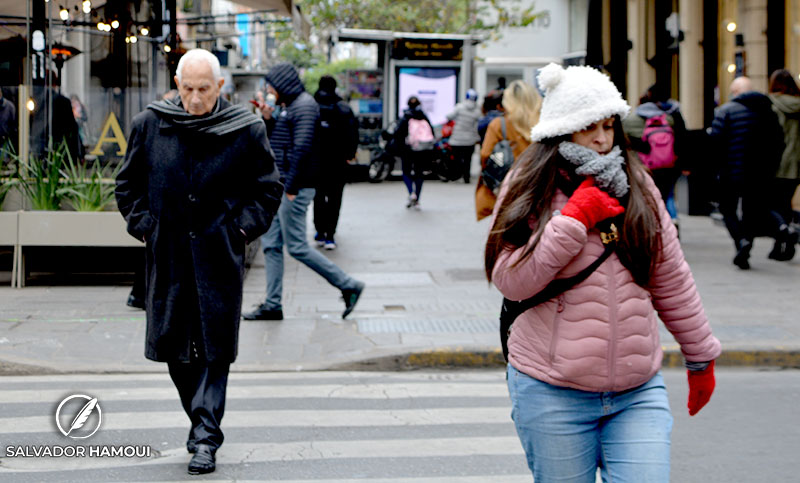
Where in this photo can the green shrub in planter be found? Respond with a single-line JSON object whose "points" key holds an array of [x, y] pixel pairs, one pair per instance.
{"points": [[88, 187], [7, 178], [40, 178]]}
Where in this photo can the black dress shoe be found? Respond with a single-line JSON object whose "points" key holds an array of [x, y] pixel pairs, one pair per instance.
{"points": [[135, 302], [351, 298], [203, 460], [263, 313], [743, 254]]}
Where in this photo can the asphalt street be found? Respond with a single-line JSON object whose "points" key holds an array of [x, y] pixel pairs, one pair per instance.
{"points": [[398, 427]]}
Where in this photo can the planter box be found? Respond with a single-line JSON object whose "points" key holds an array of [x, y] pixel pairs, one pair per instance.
{"points": [[68, 229], [8, 228], [74, 228]]}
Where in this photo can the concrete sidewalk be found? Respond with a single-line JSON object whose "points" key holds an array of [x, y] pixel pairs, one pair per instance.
{"points": [[427, 302]]}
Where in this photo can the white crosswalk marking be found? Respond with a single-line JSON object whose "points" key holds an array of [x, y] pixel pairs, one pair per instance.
{"points": [[298, 427]]}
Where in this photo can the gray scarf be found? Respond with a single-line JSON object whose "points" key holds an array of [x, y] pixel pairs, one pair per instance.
{"points": [[608, 171], [222, 119]]}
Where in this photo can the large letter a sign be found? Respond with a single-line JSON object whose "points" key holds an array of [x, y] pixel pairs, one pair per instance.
{"points": [[117, 136]]}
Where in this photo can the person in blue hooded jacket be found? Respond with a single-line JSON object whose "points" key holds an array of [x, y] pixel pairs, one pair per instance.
{"points": [[291, 126]]}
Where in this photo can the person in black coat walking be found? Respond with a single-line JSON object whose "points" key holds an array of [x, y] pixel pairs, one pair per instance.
{"points": [[198, 183], [338, 135], [292, 127], [749, 139]]}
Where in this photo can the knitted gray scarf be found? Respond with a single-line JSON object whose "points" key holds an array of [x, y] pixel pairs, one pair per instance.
{"points": [[221, 120], [607, 170]]}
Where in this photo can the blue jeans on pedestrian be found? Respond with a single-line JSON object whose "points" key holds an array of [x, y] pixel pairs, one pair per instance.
{"points": [[289, 228], [567, 433]]}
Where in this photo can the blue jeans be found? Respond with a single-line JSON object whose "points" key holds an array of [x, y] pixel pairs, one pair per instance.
{"points": [[289, 228], [567, 433]]}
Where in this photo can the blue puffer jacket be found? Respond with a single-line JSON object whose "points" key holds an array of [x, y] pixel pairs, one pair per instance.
{"points": [[747, 138], [291, 134]]}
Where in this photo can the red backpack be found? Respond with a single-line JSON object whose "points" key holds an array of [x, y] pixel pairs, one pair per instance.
{"points": [[661, 138]]}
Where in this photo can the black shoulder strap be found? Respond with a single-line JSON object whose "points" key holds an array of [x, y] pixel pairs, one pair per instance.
{"points": [[510, 309]]}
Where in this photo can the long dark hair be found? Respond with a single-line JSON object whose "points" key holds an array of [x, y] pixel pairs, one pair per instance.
{"points": [[782, 82], [525, 209]]}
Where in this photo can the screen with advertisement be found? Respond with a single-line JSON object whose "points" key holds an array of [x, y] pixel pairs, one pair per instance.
{"points": [[436, 89]]}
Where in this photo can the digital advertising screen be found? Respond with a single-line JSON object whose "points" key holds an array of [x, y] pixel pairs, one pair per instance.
{"points": [[436, 88]]}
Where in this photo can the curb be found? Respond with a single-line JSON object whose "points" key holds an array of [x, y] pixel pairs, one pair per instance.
{"points": [[447, 358], [492, 358]]}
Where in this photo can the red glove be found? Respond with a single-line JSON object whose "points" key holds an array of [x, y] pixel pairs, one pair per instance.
{"points": [[591, 205], [701, 386]]}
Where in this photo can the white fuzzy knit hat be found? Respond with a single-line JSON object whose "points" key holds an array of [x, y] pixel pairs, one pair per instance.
{"points": [[575, 98]]}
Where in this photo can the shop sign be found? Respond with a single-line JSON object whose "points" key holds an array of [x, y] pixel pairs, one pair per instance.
{"points": [[427, 49], [116, 136]]}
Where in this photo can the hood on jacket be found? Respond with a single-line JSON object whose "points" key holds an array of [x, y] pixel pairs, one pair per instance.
{"points": [[470, 105], [284, 78], [326, 97], [650, 109], [755, 101], [787, 104], [416, 113]]}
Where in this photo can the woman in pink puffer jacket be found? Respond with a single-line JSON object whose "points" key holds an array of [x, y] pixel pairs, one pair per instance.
{"points": [[583, 371]]}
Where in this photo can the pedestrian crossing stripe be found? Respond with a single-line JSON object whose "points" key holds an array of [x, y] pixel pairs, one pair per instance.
{"points": [[242, 453], [269, 391], [279, 418]]}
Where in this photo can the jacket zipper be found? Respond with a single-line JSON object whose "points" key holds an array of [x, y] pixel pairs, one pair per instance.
{"points": [[556, 324], [612, 322]]}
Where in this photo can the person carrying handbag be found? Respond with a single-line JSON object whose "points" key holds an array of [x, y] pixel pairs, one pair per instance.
{"points": [[521, 104], [584, 364]]}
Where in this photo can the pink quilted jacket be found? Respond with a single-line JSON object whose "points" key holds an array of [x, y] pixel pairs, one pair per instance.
{"points": [[601, 335]]}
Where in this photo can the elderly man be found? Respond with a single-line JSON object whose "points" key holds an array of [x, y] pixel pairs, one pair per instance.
{"points": [[749, 142], [197, 184]]}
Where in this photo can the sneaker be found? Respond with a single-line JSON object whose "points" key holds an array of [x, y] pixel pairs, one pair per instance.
{"points": [[412, 200], [263, 313], [783, 250], [416, 205], [740, 260], [330, 244], [319, 240], [351, 298]]}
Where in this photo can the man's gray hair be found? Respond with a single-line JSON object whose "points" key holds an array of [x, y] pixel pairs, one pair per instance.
{"points": [[200, 54]]}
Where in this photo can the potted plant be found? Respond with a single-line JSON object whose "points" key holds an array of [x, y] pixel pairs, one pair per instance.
{"points": [[40, 178], [8, 219], [88, 187]]}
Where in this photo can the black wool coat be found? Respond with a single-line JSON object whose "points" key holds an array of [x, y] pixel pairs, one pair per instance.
{"points": [[190, 196]]}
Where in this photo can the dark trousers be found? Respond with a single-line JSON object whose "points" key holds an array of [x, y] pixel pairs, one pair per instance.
{"points": [[327, 204], [463, 155], [414, 163], [782, 199], [201, 386], [139, 283], [756, 218]]}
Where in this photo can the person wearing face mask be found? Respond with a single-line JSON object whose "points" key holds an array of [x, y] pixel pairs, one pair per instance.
{"points": [[292, 126], [197, 184], [582, 244]]}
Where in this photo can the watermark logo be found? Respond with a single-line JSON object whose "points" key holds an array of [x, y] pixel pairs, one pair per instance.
{"points": [[79, 416]]}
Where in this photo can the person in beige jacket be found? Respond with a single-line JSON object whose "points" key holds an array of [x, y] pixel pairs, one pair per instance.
{"points": [[521, 103]]}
